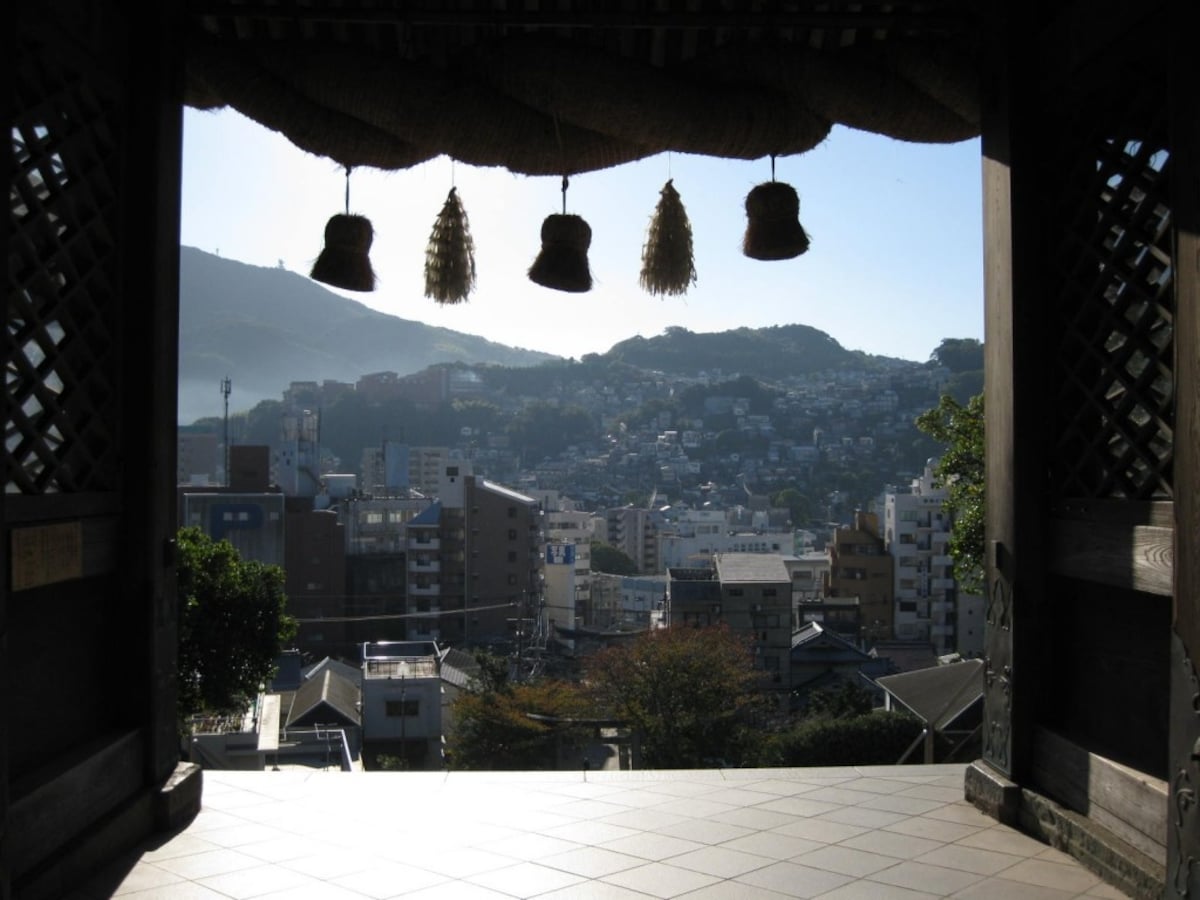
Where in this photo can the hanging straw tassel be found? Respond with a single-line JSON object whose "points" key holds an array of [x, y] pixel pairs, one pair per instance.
{"points": [[773, 229], [450, 256], [667, 264], [344, 262], [562, 263]]}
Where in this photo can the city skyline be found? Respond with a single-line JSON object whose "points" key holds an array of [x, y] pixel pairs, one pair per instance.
{"points": [[895, 263]]}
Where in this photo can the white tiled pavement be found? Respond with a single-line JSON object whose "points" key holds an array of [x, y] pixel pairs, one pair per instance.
{"points": [[883, 833]]}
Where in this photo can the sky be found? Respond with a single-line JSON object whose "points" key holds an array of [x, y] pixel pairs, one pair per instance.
{"points": [[895, 263]]}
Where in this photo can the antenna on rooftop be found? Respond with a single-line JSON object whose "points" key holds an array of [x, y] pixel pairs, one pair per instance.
{"points": [[226, 389]]}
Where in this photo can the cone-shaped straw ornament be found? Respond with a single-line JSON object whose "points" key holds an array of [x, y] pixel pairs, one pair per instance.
{"points": [[773, 229], [450, 256], [344, 262], [667, 263], [562, 263]]}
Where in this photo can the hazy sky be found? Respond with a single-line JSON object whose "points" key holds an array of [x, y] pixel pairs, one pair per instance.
{"points": [[894, 266]]}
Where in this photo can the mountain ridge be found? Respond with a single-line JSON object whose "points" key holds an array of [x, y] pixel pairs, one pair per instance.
{"points": [[265, 327]]}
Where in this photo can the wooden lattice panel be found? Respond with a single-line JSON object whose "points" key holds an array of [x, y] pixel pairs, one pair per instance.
{"points": [[60, 358], [1115, 381]]}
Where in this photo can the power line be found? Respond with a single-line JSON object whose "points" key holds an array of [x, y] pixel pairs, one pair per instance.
{"points": [[382, 617]]}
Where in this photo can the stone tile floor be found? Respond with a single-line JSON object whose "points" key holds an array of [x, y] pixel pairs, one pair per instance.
{"points": [[884, 833]]}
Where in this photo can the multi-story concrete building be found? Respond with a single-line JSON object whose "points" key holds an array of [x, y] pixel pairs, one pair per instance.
{"points": [[692, 537], [376, 569], [751, 593], [252, 521], [756, 599], [474, 562], [198, 459], [916, 532], [810, 573], [568, 560], [402, 702], [270, 527], [315, 578], [395, 469], [860, 566], [634, 531]]}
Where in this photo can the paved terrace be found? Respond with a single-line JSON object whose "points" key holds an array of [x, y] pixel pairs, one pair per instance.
{"points": [[882, 833]]}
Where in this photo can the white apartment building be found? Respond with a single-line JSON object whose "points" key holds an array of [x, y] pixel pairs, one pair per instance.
{"points": [[692, 537], [928, 605]]}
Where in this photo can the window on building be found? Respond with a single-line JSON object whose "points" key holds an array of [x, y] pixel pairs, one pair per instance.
{"points": [[512, 579], [512, 534], [512, 512], [397, 708], [512, 555]]}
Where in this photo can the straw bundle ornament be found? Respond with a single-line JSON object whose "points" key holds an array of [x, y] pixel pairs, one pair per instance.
{"points": [[667, 263], [450, 256], [773, 229], [562, 263], [344, 262]]}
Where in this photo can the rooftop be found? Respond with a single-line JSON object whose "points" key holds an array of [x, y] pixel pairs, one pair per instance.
{"points": [[401, 668], [833, 833], [746, 567]]}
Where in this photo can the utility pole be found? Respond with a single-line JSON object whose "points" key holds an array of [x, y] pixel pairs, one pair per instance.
{"points": [[226, 388]]}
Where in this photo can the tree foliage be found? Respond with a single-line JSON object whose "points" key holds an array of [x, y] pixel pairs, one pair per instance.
{"points": [[874, 738], [232, 623], [961, 470], [798, 505], [844, 701], [691, 693], [502, 725], [959, 354], [612, 560]]}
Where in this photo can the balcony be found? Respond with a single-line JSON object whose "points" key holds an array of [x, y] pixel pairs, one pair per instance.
{"points": [[885, 831], [428, 565], [416, 544], [429, 590]]}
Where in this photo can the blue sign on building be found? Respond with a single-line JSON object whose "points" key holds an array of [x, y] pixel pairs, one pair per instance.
{"points": [[560, 554]]}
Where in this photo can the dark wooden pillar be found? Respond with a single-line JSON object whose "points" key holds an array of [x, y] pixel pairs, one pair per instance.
{"points": [[150, 250], [1015, 395], [1183, 767]]}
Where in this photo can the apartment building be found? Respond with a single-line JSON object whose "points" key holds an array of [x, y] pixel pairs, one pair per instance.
{"points": [[751, 593], [474, 563], [860, 566], [916, 532]]}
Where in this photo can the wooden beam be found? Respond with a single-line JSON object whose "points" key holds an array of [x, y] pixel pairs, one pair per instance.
{"points": [[1130, 804], [1136, 557]]}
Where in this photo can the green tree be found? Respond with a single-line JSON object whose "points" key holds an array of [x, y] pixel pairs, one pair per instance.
{"points": [[958, 354], [232, 623], [691, 694], [962, 471], [504, 725], [875, 738], [841, 702], [797, 504], [612, 561]]}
